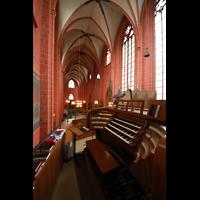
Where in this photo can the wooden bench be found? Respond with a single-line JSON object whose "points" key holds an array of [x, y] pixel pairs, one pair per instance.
{"points": [[102, 157]]}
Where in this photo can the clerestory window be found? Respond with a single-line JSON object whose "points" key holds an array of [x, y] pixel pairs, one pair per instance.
{"points": [[128, 59], [71, 84], [160, 34]]}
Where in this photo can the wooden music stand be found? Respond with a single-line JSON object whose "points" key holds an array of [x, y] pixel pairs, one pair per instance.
{"points": [[76, 131]]}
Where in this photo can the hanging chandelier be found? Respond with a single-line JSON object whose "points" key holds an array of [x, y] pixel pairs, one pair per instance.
{"points": [[147, 54]]}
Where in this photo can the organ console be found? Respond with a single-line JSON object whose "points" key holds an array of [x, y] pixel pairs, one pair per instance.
{"points": [[137, 142]]}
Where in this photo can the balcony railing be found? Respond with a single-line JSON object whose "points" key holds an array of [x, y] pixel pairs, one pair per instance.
{"points": [[59, 126]]}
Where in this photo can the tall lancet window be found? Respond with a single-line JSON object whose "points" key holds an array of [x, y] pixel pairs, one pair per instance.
{"points": [[71, 97], [160, 33], [128, 59], [71, 84], [108, 57]]}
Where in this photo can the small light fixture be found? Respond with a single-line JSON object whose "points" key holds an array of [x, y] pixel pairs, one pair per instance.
{"points": [[147, 54], [110, 103], [73, 103], [78, 103], [95, 102]]}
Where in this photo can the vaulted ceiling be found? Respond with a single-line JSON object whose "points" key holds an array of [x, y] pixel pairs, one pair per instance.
{"points": [[85, 27]]}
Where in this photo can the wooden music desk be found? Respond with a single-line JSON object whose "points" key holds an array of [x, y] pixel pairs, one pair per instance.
{"points": [[76, 131]]}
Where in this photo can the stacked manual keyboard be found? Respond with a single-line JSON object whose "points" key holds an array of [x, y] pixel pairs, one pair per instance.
{"points": [[124, 129]]}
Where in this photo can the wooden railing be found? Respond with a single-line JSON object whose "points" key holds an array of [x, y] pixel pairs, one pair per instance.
{"points": [[59, 126]]}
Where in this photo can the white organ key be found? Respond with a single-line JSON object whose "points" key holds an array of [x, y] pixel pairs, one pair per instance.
{"points": [[124, 127], [128, 123], [118, 136], [121, 131]]}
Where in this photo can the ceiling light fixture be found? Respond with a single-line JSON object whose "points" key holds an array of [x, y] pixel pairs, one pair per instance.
{"points": [[147, 54], [79, 43]]}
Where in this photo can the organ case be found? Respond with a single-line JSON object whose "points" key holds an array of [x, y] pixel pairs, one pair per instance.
{"points": [[137, 140]]}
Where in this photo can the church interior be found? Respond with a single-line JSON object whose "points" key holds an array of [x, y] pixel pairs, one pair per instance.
{"points": [[99, 99]]}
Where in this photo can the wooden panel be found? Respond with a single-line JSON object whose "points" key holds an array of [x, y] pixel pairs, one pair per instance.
{"points": [[159, 171], [142, 171], [142, 95], [76, 130], [127, 95], [95, 183], [150, 95], [134, 95], [45, 183], [102, 156]]}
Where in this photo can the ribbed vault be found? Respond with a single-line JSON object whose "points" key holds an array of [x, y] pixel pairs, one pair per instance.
{"points": [[86, 27]]}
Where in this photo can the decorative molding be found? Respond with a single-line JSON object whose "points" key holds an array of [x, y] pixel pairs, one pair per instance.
{"points": [[138, 48], [53, 12]]}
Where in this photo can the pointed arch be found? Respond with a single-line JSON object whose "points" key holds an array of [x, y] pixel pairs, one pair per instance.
{"points": [[71, 97]]}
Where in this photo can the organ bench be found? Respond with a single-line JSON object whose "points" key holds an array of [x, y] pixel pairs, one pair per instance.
{"points": [[133, 146], [105, 160]]}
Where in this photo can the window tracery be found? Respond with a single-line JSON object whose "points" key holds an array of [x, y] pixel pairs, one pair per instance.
{"points": [[128, 59]]}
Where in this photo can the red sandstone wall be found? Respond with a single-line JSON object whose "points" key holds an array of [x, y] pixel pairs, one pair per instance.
{"points": [[46, 66], [37, 21]]}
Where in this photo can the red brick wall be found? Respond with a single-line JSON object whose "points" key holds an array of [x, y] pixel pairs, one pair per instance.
{"points": [[116, 61], [57, 73], [44, 56], [37, 15], [105, 77], [146, 65]]}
